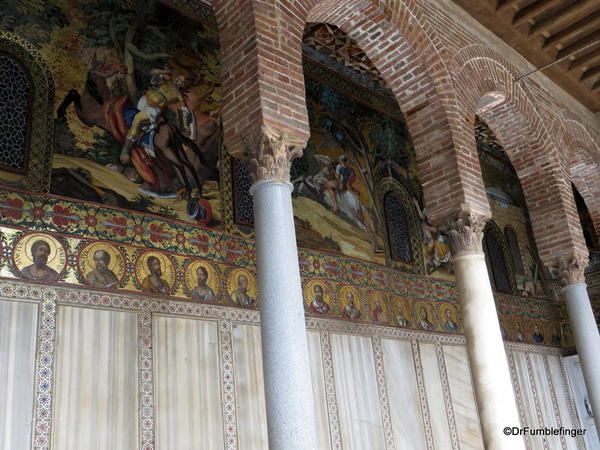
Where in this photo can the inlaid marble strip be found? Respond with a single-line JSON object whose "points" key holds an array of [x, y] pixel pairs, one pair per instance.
{"points": [[383, 396], [332, 405], [536, 401], [18, 337], [559, 422], [146, 368], [46, 347], [570, 402], [422, 394], [228, 387], [439, 351], [518, 395]]}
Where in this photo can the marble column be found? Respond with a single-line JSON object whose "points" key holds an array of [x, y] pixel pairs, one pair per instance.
{"points": [[570, 272], [286, 368], [489, 366]]}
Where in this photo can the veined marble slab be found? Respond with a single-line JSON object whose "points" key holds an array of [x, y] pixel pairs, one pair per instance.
{"points": [[561, 400], [357, 393], [435, 397], [249, 387], [528, 399], [403, 395], [18, 327], [544, 399], [187, 385], [463, 397], [318, 385], [96, 402]]}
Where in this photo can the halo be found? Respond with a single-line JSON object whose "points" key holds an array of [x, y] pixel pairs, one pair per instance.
{"points": [[22, 253], [142, 271], [453, 312], [342, 297], [382, 296], [401, 302], [430, 316], [213, 280], [308, 292], [232, 282], [87, 264]]}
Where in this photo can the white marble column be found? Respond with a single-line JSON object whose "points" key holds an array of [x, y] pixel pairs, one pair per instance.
{"points": [[489, 367], [585, 331], [286, 368]]}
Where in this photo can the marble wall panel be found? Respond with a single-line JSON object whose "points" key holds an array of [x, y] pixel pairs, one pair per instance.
{"points": [[435, 397], [528, 398], [463, 397], [96, 401], [357, 393], [318, 385], [187, 384], [18, 327], [544, 394], [249, 388], [403, 396], [554, 365]]}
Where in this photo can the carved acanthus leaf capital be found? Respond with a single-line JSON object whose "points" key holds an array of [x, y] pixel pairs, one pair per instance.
{"points": [[270, 153], [465, 232], [569, 270]]}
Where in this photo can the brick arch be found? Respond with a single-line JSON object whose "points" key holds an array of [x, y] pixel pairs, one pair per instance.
{"points": [[539, 163], [583, 156], [398, 45]]}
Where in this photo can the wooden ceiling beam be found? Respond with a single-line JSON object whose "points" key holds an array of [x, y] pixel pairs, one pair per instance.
{"points": [[584, 59], [557, 18], [530, 11], [590, 73], [590, 40], [503, 6], [573, 30]]}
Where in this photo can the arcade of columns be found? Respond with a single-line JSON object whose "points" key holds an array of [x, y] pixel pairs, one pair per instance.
{"points": [[440, 90]]}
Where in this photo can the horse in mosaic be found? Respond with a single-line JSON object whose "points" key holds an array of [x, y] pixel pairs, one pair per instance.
{"points": [[165, 159]]}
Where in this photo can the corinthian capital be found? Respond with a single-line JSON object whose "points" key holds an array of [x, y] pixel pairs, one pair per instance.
{"points": [[569, 270], [270, 153], [465, 233]]}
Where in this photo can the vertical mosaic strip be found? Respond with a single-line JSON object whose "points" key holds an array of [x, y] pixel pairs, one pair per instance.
{"points": [[422, 394], [383, 396], [554, 401], [518, 395], [571, 404], [228, 386], [46, 348], [146, 390], [332, 406], [538, 410], [441, 360]]}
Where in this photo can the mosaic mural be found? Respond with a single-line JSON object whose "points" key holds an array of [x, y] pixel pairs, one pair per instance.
{"points": [[83, 244], [137, 103]]}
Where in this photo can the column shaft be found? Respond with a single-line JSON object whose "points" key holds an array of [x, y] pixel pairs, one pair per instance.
{"points": [[587, 341], [487, 356], [287, 379]]}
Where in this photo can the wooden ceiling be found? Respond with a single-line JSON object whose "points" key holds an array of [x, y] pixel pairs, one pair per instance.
{"points": [[561, 38]]}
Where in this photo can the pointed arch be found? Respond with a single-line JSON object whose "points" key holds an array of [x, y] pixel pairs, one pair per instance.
{"points": [[39, 165]]}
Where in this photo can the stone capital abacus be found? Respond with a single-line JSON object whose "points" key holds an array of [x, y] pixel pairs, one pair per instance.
{"points": [[465, 232], [269, 153], [569, 269]]}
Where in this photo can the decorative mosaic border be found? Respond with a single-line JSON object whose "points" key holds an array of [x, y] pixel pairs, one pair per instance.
{"points": [[571, 403], [422, 395], [554, 400], [330, 392], [146, 379], [538, 409], [224, 261], [384, 403], [441, 363], [44, 387], [228, 387]]}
